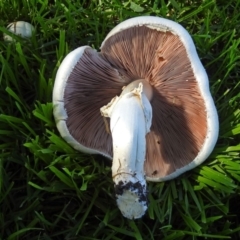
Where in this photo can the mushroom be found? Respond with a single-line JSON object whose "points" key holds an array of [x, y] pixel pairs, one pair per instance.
{"points": [[21, 28], [143, 101]]}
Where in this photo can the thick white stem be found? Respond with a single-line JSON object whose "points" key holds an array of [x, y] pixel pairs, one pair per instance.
{"points": [[131, 116]]}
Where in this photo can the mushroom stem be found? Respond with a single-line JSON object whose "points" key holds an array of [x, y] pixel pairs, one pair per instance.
{"points": [[131, 118]]}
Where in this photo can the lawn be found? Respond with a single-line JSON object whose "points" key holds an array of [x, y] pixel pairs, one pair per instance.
{"points": [[50, 191]]}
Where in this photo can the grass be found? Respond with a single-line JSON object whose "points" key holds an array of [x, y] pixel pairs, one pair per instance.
{"points": [[48, 190]]}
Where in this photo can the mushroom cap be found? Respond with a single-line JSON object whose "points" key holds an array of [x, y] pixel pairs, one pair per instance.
{"points": [[21, 28], [185, 124]]}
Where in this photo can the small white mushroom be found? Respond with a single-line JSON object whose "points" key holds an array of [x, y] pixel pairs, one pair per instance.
{"points": [[21, 28]]}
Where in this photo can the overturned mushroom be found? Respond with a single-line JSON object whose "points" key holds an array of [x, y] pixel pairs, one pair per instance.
{"points": [[149, 81]]}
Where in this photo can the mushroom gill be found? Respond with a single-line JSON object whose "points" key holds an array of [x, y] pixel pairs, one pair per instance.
{"points": [[91, 85], [179, 124]]}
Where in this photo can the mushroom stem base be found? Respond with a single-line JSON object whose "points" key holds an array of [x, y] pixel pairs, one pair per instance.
{"points": [[131, 196]]}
